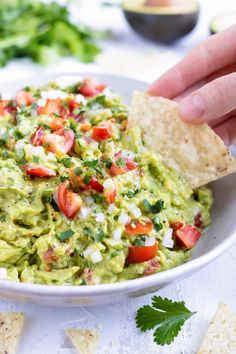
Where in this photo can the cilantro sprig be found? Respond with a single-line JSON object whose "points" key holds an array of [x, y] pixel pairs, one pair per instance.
{"points": [[165, 316]]}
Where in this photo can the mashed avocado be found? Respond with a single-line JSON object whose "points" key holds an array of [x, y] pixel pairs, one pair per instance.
{"points": [[82, 200]]}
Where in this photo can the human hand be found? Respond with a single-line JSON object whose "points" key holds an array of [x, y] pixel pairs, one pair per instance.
{"points": [[204, 84]]}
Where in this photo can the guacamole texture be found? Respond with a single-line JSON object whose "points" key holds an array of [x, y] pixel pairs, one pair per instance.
{"points": [[82, 200]]}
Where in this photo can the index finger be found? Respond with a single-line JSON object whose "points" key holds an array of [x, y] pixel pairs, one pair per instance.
{"points": [[215, 53]]}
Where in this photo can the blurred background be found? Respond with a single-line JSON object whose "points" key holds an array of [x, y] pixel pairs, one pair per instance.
{"points": [[135, 38]]}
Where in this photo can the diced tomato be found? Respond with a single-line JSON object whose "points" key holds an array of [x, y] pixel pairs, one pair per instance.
{"points": [[153, 267], [56, 124], [6, 106], [110, 193], [95, 185], [68, 201], [61, 141], [38, 171], [103, 131], [91, 87], [85, 127], [51, 106], [49, 256], [117, 170], [73, 105], [24, 98], [130, 165], [141, 254], [198, 220], [187, 236], [176, 225], [36, 138], [139, 228]]}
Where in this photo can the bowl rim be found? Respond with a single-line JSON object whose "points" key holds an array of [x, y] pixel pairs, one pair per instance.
{"points": [[166, 276]]}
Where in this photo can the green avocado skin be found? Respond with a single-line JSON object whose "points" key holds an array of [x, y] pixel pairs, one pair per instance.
{"points": [[162, 28]]}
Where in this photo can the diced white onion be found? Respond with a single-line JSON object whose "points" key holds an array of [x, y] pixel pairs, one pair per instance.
{"points": [[51, 156], [2, 131], [3, 273], [124, 219], [84, 213], [53, 94], [96, 257], [42, 102], [128, 154], [116, 234], [99, 217], [37, 150], [20, 144], [111, 208], [80, 99], [135, 210], [93, 145], [167, 241], [108, 184], [87, 252], [150, 241], [89, 200]]}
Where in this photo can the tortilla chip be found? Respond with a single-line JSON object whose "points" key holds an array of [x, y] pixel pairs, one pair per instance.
{"points": [[195, 151], [221, 335], [85, 341], [11, 324]]}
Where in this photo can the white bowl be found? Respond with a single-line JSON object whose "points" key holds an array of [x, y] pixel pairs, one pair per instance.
{"points": [[218, 238]]}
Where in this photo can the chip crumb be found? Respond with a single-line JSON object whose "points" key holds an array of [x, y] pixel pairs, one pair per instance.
{"points": [[11, 324], [193, 150], [85, 341], [221, 334]]}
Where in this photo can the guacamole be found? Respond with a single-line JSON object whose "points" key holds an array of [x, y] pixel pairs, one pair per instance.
{"points": [[82, 200]]}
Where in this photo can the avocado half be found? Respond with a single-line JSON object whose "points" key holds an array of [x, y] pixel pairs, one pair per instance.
{"points": [[221, 22], [162, 24]]}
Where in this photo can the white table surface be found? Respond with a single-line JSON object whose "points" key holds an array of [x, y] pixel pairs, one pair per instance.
{"points": [[43, 332]]}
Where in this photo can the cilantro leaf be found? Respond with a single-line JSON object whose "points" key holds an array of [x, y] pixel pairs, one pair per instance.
{"points": [[66, 234], [90, 163], [67, 161], [120, 162], [167, 315], [153, 208]]}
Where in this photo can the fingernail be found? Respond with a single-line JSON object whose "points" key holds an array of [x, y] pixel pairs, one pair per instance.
{"points": [[191, 108]]}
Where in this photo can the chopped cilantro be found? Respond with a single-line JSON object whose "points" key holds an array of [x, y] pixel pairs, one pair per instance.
{"points": [[5, 154], [158, 226], [99, 235], [90, 163], [100, 99], [76, 111], [115, 253], [153, 208], [73, 124], [36, 159], [87, 179], [2, 218], [66, 234], [64, 178], [107, 163], [120, 162], [17, 135], [67, 161], [98, 198], [165, 316], [78, 171], [139, 241], [132, 192], [87, 231]]}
